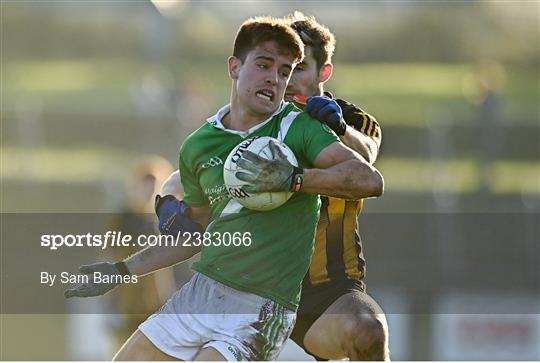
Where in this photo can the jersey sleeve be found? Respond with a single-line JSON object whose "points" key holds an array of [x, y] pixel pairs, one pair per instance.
{"points": [[193, 194], [316, 136], [361, 120]]}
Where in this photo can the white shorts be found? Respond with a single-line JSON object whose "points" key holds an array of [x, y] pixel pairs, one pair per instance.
{"points": [[205, 313]]}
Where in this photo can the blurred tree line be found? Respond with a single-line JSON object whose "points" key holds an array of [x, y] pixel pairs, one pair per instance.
{"points": [[366, 32]]}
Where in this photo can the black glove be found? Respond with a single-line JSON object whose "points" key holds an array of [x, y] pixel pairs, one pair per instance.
{"points": [[115, 272]]}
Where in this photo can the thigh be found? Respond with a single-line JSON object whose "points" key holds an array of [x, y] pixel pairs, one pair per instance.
{"points": [[139, 347], [328, 334], [354, 302], [313, 303], [209, 355]]}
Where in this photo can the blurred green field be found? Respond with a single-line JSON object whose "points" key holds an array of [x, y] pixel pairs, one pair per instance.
{"points": [[397, 94], [401, 174], [82, 99]]}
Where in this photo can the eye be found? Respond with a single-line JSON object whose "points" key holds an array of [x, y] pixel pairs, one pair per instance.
{"points": [[286, 74], [262, 66], [300, 68]]}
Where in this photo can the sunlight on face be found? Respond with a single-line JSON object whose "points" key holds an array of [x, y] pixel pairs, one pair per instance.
{"points": [[305, 77], [263, 78]]}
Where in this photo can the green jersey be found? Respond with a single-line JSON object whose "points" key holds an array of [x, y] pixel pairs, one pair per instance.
{"points": [[280, 240]]}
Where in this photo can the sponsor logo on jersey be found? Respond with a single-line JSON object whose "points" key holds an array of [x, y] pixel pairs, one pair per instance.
{"points": [[240, 150], [216, 193], [214, 161]]}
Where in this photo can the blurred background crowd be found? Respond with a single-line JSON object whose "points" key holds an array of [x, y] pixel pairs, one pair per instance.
{"points": [[90, 89]]}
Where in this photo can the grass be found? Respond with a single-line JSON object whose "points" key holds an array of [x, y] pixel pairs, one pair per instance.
{"points": [[460, 175], [401, 174], [64, 165]]}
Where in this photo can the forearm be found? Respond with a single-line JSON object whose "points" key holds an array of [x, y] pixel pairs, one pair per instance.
{"points": [[154, 258], [350, 179], [360, 143]]}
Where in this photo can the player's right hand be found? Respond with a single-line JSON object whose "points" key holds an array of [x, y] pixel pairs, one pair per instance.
{"points": [[173, 216], [92, 288], [275, 175]]}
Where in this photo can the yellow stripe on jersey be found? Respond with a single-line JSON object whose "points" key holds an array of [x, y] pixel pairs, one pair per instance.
{"points": [[369, 131], [335, 254], [365, 123], [374, 130], [370, 127], [350, 254], [317, 270]]}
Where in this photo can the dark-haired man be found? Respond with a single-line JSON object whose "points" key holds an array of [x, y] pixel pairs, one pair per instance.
{"points": [[241, 302], [336, 318]]}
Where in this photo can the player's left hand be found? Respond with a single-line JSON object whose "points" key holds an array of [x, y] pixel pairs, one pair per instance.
{"points": [[275, 175], [93, 288], [327, 111]]}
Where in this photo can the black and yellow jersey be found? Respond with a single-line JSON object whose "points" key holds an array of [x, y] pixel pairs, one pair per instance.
{"points": [[338, 249], [338, 254], [361, 120]]}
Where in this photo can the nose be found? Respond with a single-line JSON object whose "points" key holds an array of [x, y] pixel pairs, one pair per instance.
{"points": [[272, 77]]}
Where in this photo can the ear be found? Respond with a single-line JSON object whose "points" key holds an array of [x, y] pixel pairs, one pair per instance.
{"points": [[234, 65], [326, 72]]}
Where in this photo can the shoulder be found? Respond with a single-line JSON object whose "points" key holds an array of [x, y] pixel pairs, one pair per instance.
{"points": [[196, 137], [307, 125], [291, 113]]}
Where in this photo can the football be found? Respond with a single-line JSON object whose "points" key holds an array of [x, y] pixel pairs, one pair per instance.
{"points": [[255, 201]]}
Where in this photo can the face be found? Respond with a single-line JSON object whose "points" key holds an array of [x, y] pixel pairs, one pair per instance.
{"points": [[305, 78], [262, 78]]}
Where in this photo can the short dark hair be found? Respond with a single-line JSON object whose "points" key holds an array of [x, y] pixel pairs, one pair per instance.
{"points": [[257, 30], [315, 35]]}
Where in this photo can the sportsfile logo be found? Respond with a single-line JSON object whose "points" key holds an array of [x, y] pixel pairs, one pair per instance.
{"points": [[214, 161]]}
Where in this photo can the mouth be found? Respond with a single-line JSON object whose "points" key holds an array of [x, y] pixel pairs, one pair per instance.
{"points": [[266, 94]]}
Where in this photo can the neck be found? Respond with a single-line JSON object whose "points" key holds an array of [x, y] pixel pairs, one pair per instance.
{"points": [[240, 119]]}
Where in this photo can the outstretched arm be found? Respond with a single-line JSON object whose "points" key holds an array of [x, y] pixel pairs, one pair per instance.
{"points": [[153, 258], [173, 214]]}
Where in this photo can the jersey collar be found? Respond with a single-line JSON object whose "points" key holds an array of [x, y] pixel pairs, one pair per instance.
{"points": [[216, 120]]}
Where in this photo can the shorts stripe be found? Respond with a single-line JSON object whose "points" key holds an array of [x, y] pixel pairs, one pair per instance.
{"points": [[275, 338], [283, 334], [269, 330], [273, 332], [277, 327]]}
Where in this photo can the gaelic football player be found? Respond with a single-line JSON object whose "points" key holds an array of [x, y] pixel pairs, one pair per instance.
{"points": [[336, 318], [241, 303]]}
